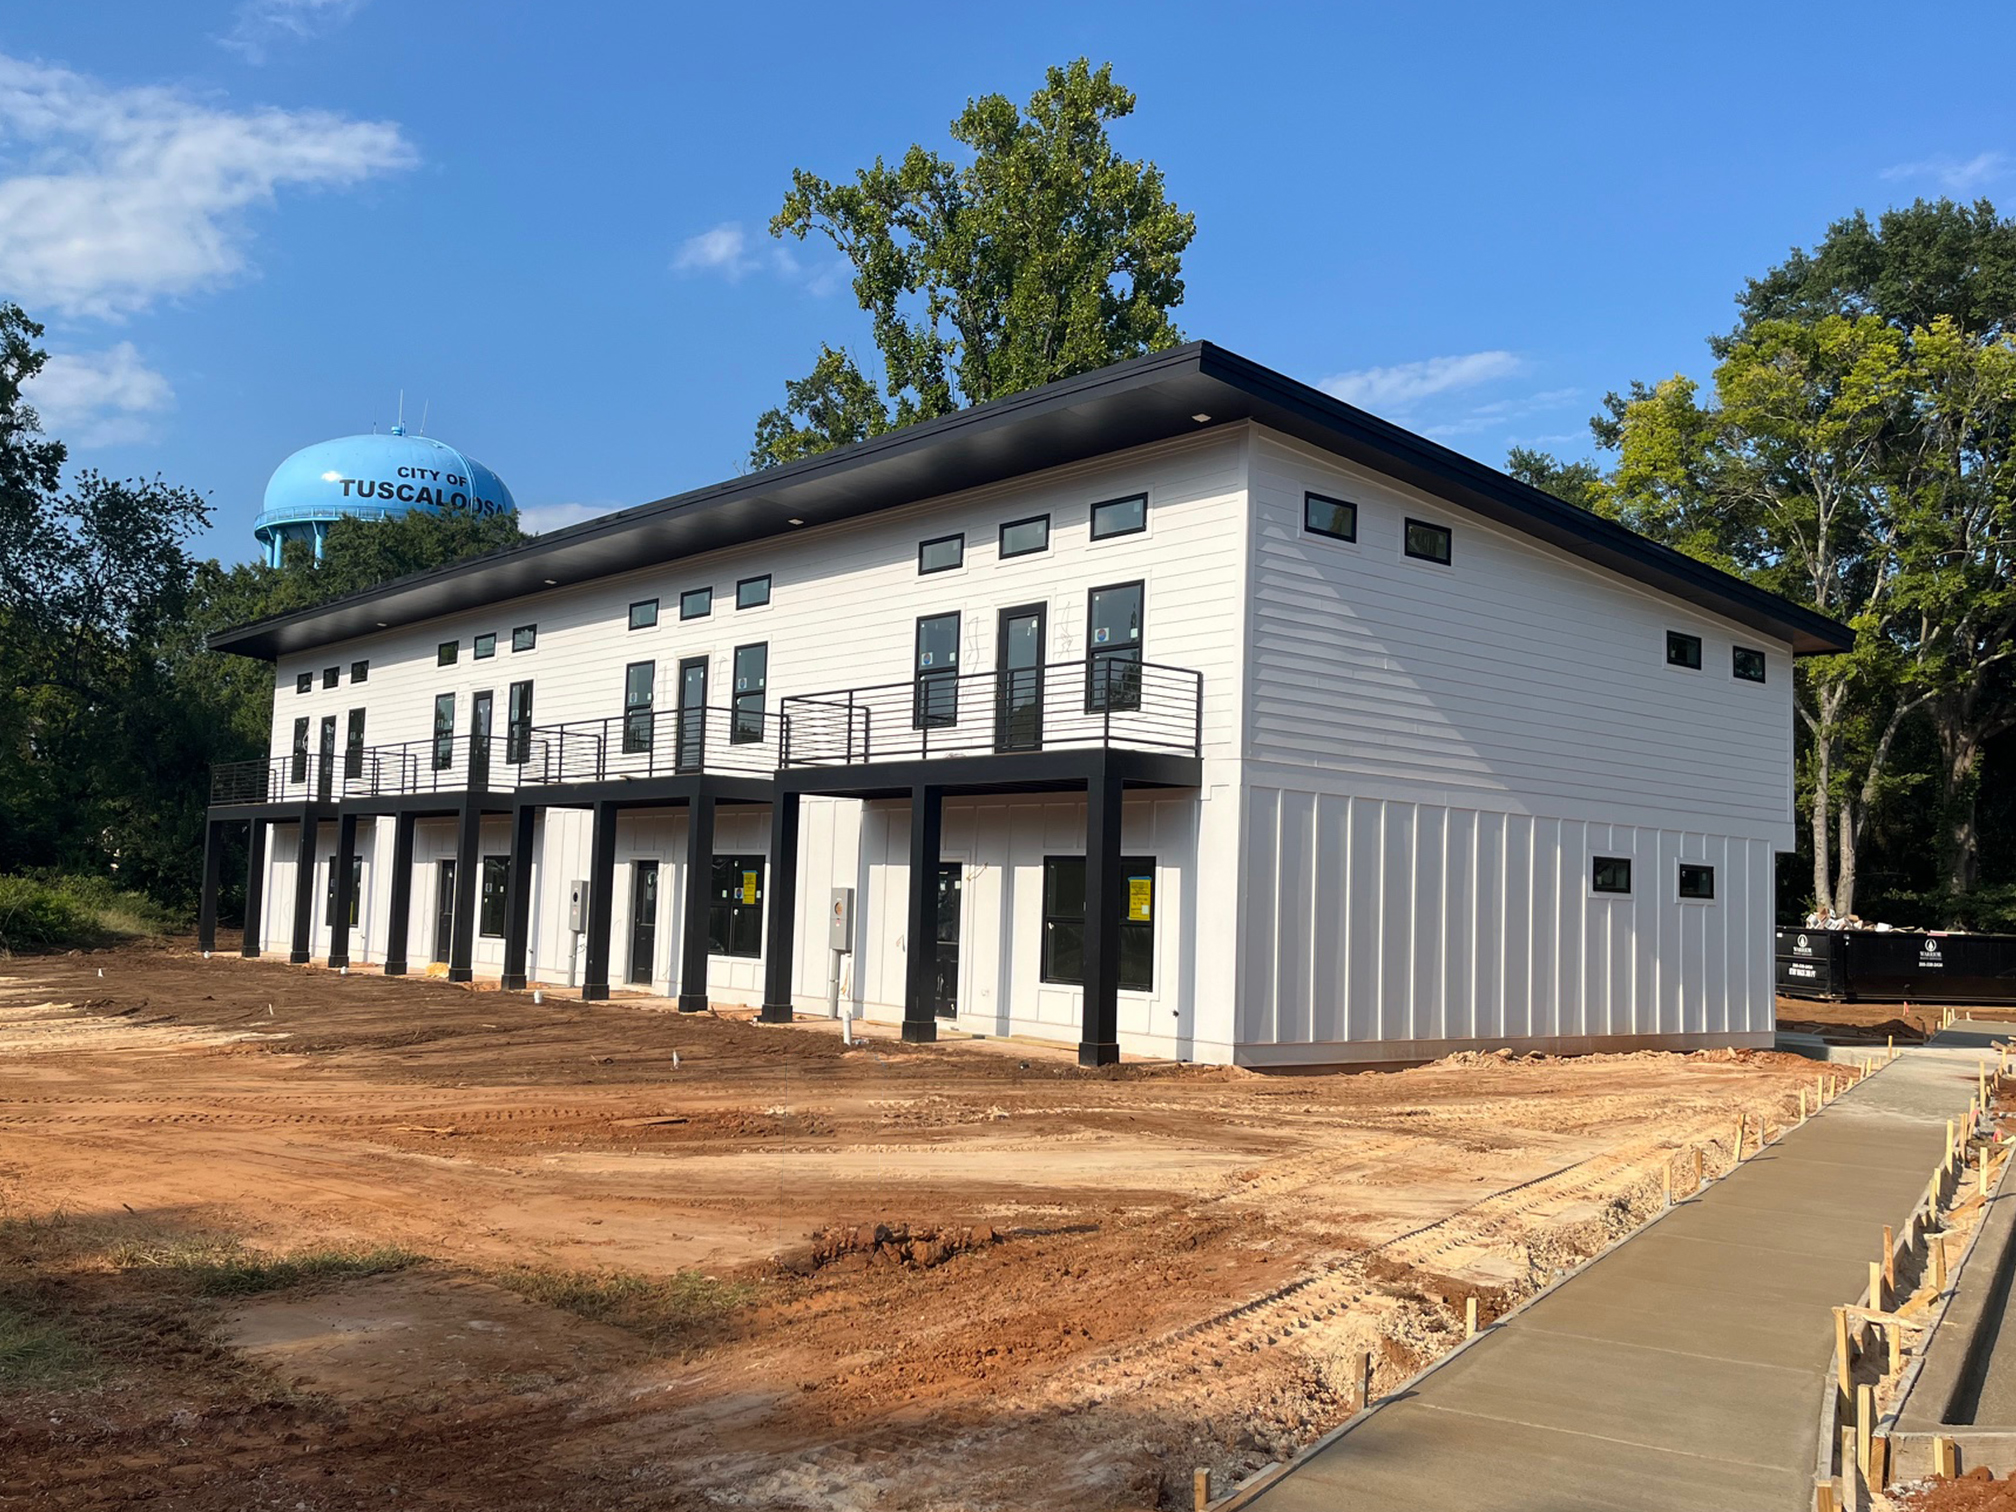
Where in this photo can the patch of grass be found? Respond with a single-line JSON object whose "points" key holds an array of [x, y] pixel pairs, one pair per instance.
{"points": [[50, 912], [223, 1267], [34, 1352], [661, 1308]]}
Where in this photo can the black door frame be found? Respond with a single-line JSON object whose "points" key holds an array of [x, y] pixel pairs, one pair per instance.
{"points": [[944, 1006], [1004, 678], [689, 740], [444, 908], [326, 750], [482, 729], [643, 924]]}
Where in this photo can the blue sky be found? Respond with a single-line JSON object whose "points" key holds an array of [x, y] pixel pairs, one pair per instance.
{"points": [[249, 225]]}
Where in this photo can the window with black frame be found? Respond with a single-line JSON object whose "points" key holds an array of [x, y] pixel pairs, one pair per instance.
{"points": [[752, 676], [444, 731], [1113, 649], [1064, 921], [735, 909], [518, 724], [935, 700], [638, 678], [353, 746], [297, 767], [490, 911]]}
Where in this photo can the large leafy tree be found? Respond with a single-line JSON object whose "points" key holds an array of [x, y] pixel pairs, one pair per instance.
{"points": [[1040, 254]]}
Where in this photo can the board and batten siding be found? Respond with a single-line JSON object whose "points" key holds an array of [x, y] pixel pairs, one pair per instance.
{"points": [[1433, 757]]}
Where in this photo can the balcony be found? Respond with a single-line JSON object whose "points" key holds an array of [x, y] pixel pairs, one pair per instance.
{"points": [[1107, 703], [655, 743]]}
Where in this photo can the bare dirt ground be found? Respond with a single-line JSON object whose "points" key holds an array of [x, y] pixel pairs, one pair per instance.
{"points": [[274, 1239]]}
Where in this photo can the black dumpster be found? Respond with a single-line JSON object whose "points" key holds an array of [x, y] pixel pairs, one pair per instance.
{"points": [[1897, 966]]}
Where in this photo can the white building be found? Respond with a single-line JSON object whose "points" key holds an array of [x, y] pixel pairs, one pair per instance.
{"points": [[1179, 708]]}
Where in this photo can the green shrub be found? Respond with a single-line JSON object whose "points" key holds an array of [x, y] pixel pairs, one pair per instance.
{"points": [[61, 913]]}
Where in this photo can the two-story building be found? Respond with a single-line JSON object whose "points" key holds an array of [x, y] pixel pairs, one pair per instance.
{"points": [[1176, 708]]}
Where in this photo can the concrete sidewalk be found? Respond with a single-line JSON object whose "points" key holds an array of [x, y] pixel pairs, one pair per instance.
{"points": [[1686, 1368]]}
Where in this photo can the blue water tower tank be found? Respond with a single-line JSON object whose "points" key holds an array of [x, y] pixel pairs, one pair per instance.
{"points": [[372, 477]]}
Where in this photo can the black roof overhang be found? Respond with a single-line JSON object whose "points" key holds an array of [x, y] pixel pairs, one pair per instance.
{"points": [[1149, 399]]}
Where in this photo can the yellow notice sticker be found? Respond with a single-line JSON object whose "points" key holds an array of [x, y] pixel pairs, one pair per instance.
{"points": [[1140, 899], [748, 887]]}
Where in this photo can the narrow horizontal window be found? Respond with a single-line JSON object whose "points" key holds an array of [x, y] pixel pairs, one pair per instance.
{"points": [[485, 647], [524, 638], [360, 671], [643, 614], [696, 603], [1683, 650], [305, 683], [1025, 537], [331, 676], [753, 593], [1696, 881], [1335, 518], [446, 652], [1749, 664], [1429, 543], [1610, 874], [1118, 517], [941, 554]]}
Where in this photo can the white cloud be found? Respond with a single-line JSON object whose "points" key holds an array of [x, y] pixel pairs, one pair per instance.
{"points": [[1405, 384], [731, 252], [540, 518], [1953, 176], [258, 25], [107, 398], [129, 195]]}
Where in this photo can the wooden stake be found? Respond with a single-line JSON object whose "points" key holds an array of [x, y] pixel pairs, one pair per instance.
{"points": [[1896, 1349], [1984, 1176], [1802, 1105], [1824, 1499], [1697, 1168], [1844, 1356], [1879, 1462], [1469, 1317], [1737, 1158], [1876, 1298], [1200, 1488], [1946, 1458], [1669, 1182], [1865, 1424], [1364, 1382], [1939, 1261], [1889, 1257]]}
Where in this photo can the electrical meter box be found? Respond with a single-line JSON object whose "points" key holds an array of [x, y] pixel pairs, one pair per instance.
{"points": [[577, 907], [840, 920]]}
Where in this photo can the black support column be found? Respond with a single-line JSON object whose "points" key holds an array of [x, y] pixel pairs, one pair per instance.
{"points": [[920, 972], [346, 856], [699, 899], [601, 902], [255, 889], [781, 927], [1098, 1042], [304, 889], [518, 897], [206, 906], [399, 910], [468, 867]]}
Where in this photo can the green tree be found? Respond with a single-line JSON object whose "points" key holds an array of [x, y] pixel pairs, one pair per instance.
{"points": [[1044, 253], [1577, 483]]}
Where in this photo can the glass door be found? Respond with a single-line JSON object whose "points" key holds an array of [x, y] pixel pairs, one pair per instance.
{"points": [[480, 707], [327, 767], [643, 920], [946, 977], [1018, 676], [691, 740], [444, 909]]}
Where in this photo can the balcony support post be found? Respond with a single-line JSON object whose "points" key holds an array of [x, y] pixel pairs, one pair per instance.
{"points": [[399, 909], [780, 936], [345, 860], [699, 899], [255, 890], [601, 902], [1105, 907], [518, 896], [213, 867], [468, 872], [304, 887], [920, 973]]}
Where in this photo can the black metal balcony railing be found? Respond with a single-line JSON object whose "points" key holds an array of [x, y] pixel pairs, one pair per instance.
{"points": [[656, 743], [439, 764], [1108, 701]]}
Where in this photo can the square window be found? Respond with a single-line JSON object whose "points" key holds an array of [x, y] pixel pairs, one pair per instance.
{"points": [[1683, 650], [305, 683], [735, 910], [331, 676], [360, 671], [1428, 543], [753, 593], [1610, 874], [1335, 518], [643, 614], [942, 554], [1118, 517], [696, 603], [1749, 664], [1024, 537], [486, 647], [1696, 881], [446, 652], [524, 638], [490, 904], [1064, 921]]}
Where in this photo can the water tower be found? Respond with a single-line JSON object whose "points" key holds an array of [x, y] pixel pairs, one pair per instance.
{"points": [[371, 477]]}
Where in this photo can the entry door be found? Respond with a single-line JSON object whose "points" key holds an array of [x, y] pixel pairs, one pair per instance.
{"points": [[481, 705], [946, 990], [327, 766], [643, 920], [1018, 677], [444, 908], [691, 738]]}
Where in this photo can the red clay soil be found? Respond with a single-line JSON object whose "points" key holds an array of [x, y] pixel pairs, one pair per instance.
{"points": [[1976, 1491], [786, 1273]]}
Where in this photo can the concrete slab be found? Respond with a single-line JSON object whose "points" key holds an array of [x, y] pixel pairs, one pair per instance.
{"points": [[1756, 1330], [1811, 1233]]}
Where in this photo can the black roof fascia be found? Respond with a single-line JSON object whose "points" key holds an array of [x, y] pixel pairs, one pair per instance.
{"points": [[1133, 403]]}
